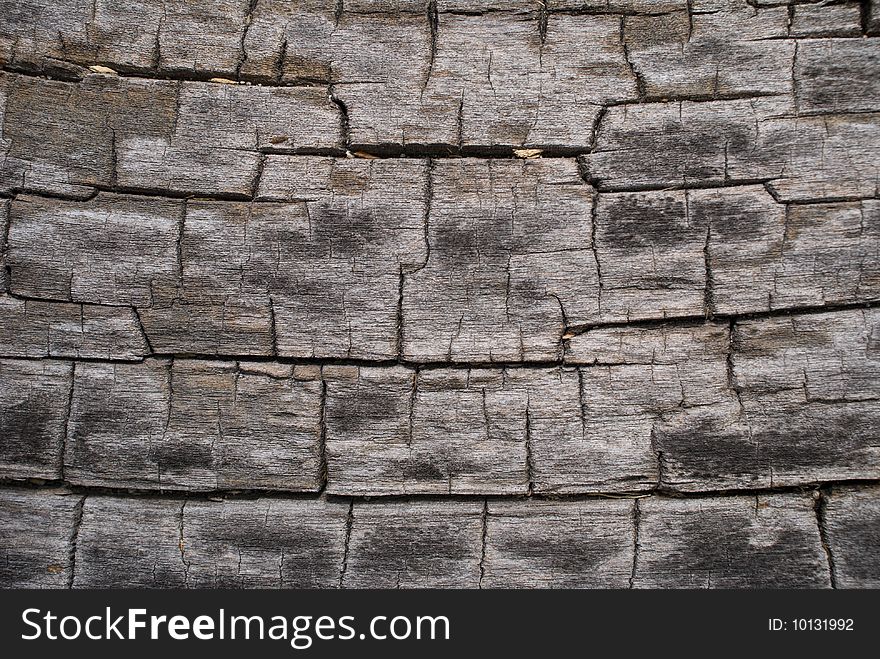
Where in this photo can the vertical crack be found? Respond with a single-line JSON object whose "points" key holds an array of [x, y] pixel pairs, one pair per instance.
{"points": [[530, 470], [181, 546], [137, 317], [258, 174], [344, 125], [433, 26], [242, 54], [400, 285], [708, 290], [485, 535], [794, 81], [338, 8], [323, 470], [67, 415], [636, 520], [74, 538], [640, 83], [349, 522], [113, 159], [820, 507], [179, 245], [273, 331], [412, 404], [593, 228]]}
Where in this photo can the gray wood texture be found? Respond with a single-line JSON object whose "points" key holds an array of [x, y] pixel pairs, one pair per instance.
{"points": [[852, 520], [460, 293]]}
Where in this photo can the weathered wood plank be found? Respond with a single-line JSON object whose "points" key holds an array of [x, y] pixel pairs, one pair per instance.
{"points": [[731, 251], [176, 543], [711, 49], [130, 542], [33, 417], [730, 542], [34, 328], [823, 19], [837, 75], [509, 262], [195, 425], [36, 528], [264, 543], [155, 135], [212, 148], [396, 431], [808, 386], [683, 144], [558, 544], [852, 521], [314, 274], [106, 251], [62, 137], [415, 544]]}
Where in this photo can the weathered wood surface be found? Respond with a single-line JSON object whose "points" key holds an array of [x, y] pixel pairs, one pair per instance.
{"points": [[713, 542], [852, 520], [395, 293], [183, 424], [697, 406]]}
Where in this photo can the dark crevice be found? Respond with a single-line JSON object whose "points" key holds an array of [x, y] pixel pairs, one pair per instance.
{"points": [[821, 504], [68, 413], [344, 125], [483, 542], [74, 538], [323, 471], [349, 522], [636, 522], [52, 486]]}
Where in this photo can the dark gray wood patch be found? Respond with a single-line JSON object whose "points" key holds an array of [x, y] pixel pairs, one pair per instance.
{"points": [[559, 544], [415, 544], [852, 520], [764, 541], [36, 531], [196, 425]]}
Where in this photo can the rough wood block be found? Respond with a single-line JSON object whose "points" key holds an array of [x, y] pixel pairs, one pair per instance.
{"points": [[131, 542], [514, 91], [415, 544], [63, 137], [398, 431], [213, 146], [382, 66], [826, 20], [317, 275], [724, 142], [193, 425], [852, 522], [577, 442], [509, 264], [33, 415], [808, 391], [666, 389], [710, 50], [827, 357], [106, 251], [202, 37], [559, 544], [731, 251], [730, 542], [872, 19], [650, 257], [264, 543], [837, 75], [33, 328], [681, 343], [36, 527], [37, 33]]}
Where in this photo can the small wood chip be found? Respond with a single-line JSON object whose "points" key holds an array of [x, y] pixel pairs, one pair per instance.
{"points": [[527, 153], [103, 69]]}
